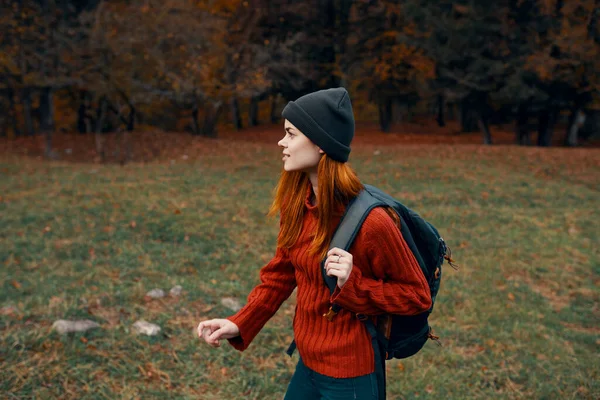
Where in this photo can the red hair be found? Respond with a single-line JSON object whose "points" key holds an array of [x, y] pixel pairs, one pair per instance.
{"points": [[338, 184]]}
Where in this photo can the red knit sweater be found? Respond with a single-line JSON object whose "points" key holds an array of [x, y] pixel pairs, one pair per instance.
{"points": [[385, 278]]}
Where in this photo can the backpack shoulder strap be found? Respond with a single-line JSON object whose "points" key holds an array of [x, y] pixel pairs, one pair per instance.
{"points": [[356, 213]]}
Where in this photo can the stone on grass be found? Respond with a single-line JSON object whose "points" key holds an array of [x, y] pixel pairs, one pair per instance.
{"points": [[156, 293], [146, 328], [175, 291], [63, 326], [231, 303]]}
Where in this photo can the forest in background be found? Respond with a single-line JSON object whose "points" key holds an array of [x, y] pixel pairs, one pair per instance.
{"points": [[97, 67]]}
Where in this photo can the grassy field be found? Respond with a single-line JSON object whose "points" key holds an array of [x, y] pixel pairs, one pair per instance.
{"points": [[519, 320]]}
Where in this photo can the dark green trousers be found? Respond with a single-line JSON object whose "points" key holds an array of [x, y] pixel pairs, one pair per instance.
{"points": [[307, 384]]}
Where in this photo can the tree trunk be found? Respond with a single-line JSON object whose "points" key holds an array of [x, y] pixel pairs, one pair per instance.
{"points": [[195, 125], [3, 116], [253, 113], [576, 121], [101, 112], [47, 119], [440, 110], [521, 126], [467, 118], [125, 136], [3, 123], [235, 114], [211, 117], [451, 114], [342, 29], [396, 112], [125, 147], [131, 119], [12, 112], [385, 114], [274, 113], [327, 57], [591, 128], [27, 116], [482, 122], [82, 126], [547, 120]]}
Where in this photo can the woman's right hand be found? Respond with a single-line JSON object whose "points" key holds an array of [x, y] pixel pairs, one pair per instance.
{"points": [[213, 330]]}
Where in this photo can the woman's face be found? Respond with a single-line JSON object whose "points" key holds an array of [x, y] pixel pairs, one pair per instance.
{"points": [[300, 154]]}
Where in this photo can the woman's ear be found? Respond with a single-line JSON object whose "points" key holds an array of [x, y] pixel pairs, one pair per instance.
{"points": [[321, 151]]}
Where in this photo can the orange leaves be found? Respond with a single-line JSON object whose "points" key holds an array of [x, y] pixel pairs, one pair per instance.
{"points": [[150, 372], [568, 36], [547, 7], [461, 9], [397, 61]]}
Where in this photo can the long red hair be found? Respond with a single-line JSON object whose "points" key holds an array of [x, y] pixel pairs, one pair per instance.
{"points": [[338, 184]]}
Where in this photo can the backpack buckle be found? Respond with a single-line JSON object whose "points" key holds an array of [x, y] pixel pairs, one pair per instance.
{"points": [[361, 317], [330, 314]]}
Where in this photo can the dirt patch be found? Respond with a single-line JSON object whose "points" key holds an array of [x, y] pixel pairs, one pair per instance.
{"points": [[581, 329], [548, 289], [156, 145], [468, 352]]}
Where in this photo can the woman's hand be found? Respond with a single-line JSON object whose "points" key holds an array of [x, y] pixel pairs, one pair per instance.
{"points": [[213, 330], [339, 263]]}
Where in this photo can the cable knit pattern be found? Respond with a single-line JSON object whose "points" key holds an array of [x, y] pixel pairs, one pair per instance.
{"points": [[385, 278]]}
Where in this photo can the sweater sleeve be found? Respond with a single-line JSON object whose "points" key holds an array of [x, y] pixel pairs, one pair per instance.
{"points": [[404, 291], [277, 284]]}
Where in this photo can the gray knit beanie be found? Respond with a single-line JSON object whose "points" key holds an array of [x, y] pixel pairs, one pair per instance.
{"points": [[326, 118]]}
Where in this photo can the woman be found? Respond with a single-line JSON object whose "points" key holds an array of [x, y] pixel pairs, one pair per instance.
{"points": [[377, 275]]}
